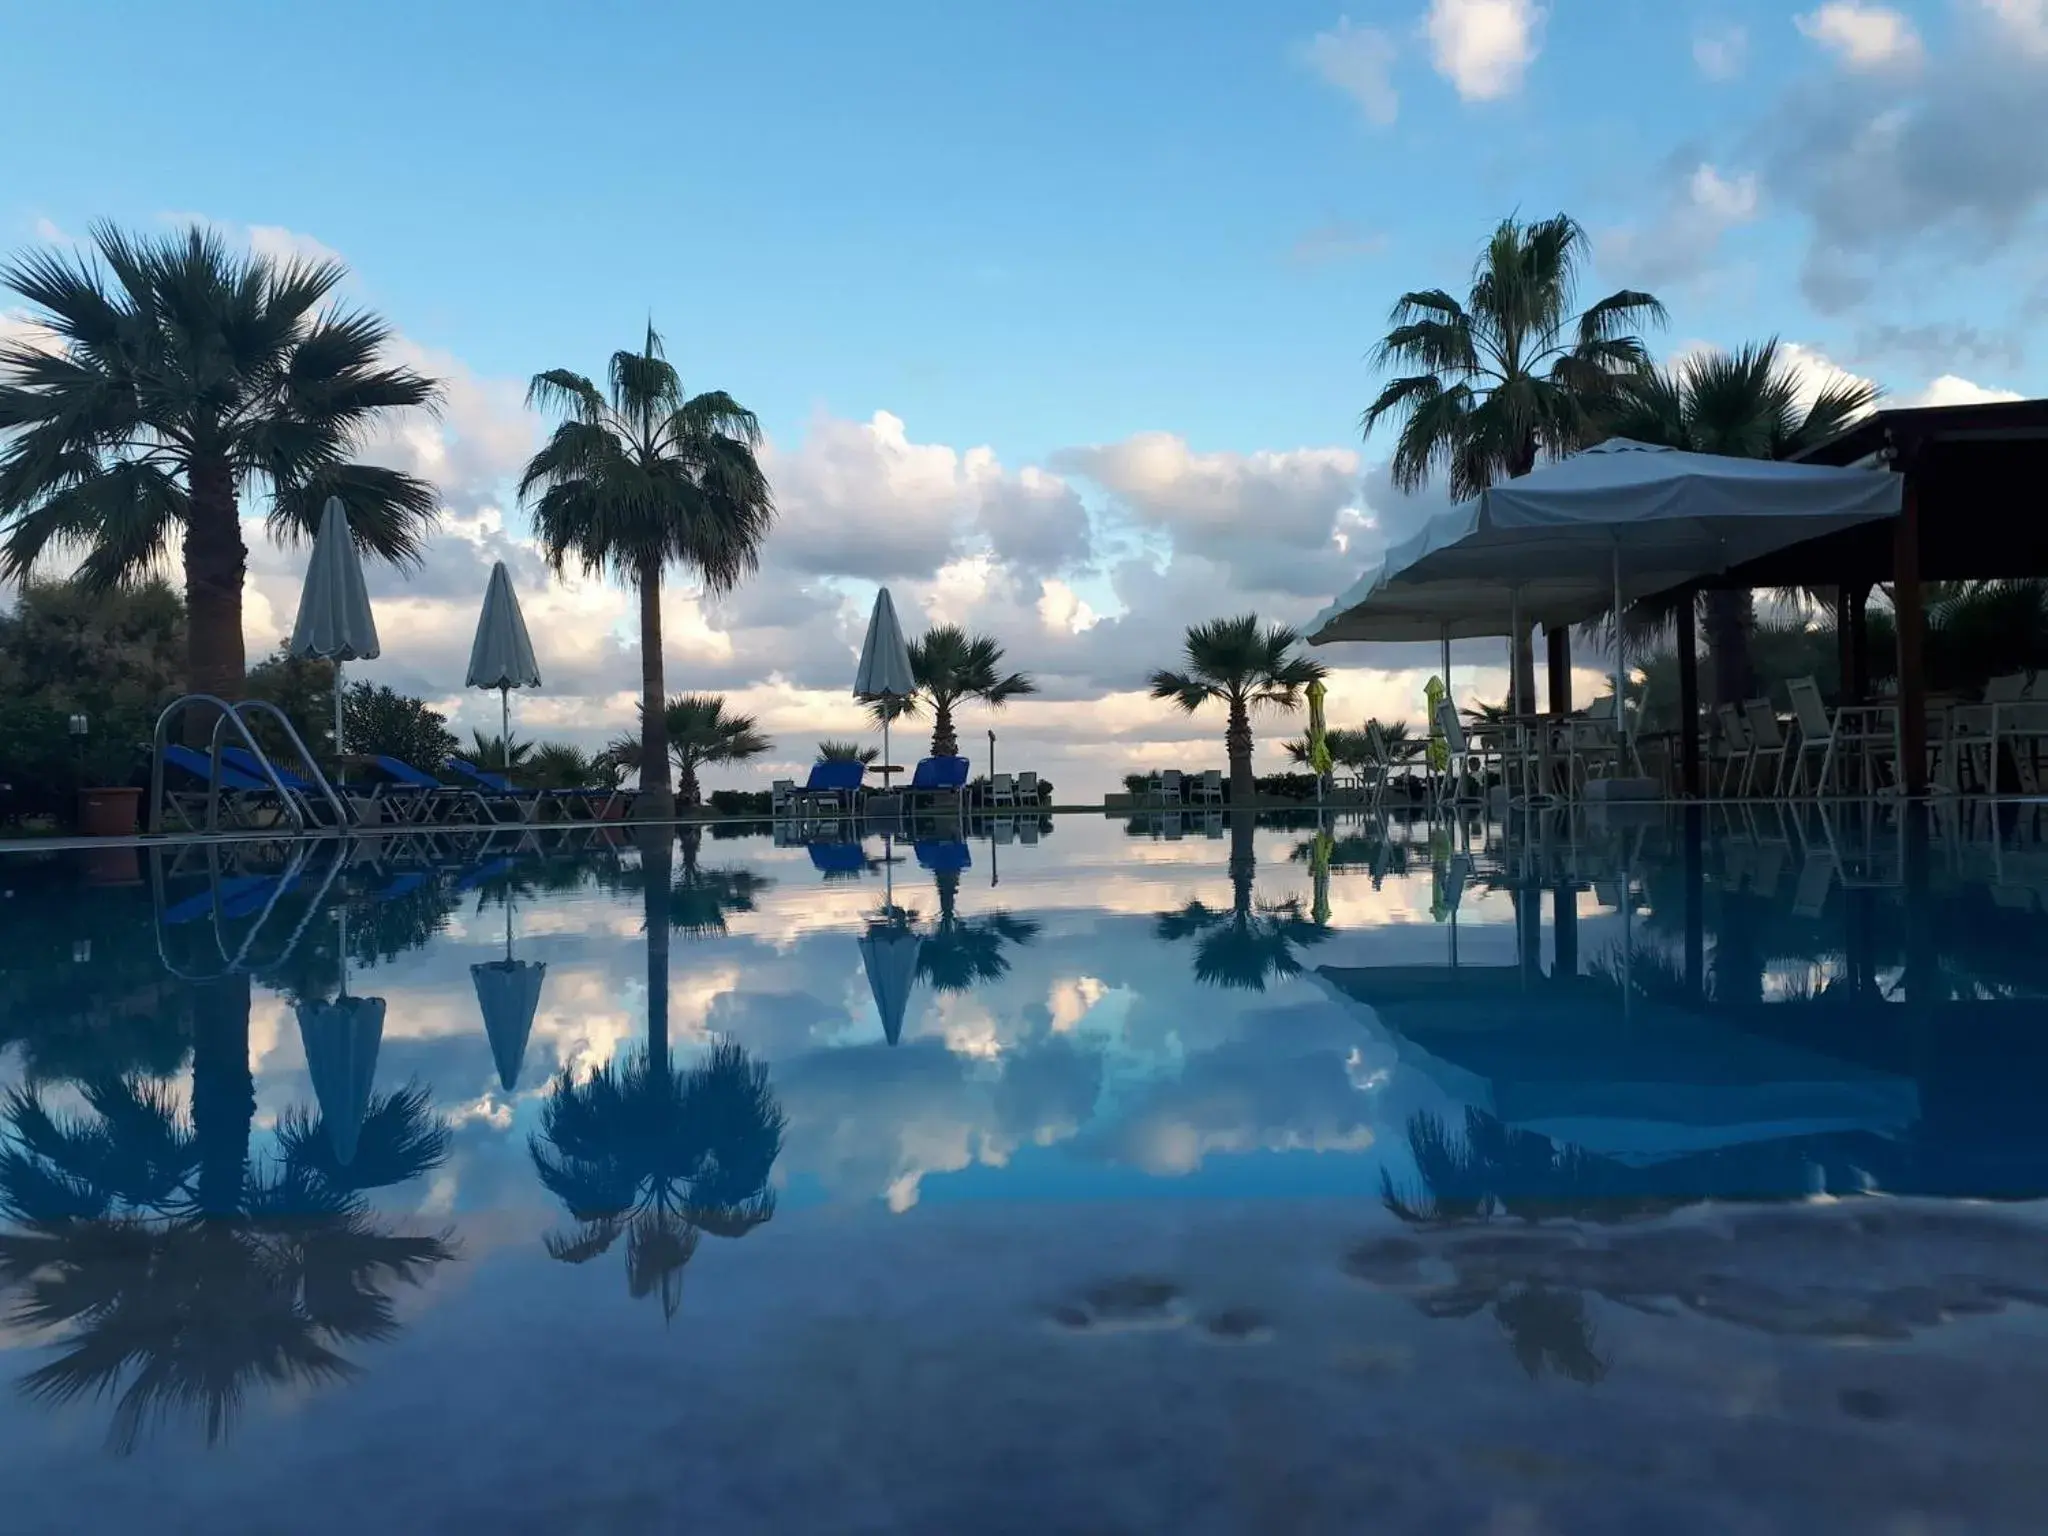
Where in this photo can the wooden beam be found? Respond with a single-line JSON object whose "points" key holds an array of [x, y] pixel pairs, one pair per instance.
{"points": [[1911, 621], [1688, 696]]}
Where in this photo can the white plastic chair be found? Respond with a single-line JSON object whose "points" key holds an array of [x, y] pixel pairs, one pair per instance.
{"points": [[1766, 740], [1170, 787], [1816, 735], [781, 797], [1208, 789], [1027, 789], [1465, 764], [1002, 790]]}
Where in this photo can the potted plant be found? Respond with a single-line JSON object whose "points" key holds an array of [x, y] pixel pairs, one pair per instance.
{"points": [[108, 797]]}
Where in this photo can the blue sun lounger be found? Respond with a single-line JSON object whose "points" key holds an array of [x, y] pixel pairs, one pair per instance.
{"points": [[937, 777], [834, 784]]}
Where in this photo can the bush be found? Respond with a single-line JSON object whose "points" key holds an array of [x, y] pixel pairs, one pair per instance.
{"points": [[1139, 785], [380, 720], [1285, 786]]}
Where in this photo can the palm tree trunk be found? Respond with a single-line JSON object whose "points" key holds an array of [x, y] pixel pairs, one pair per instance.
{"points": [[657, 873], [223, 1091], [655, 802], [944, 742], [687, 793], [1243, 862], [1731, 617], [216, 562], [1237, 744]]}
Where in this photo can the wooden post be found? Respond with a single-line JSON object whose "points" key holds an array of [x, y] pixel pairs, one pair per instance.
{"points": [[1859, 643], [1688, 697], [1911, 624], [1559, 638]]}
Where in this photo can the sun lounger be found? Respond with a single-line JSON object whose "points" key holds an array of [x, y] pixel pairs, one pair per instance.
{"points": [[944, 856], [937, 778], [833, 784], [243, 795]]}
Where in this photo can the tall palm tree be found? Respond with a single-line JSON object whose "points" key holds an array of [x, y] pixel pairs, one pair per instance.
{"points": [[182, 377], [699, 732], [1746, 404], [950, 667], [1250, 943], [1482, 389], [637, 478], [961, 953], [1235, 663], [129, 1246]]}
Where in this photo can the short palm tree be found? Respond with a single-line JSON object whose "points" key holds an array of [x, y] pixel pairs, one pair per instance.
{"points": [[699, 732], [1235, 663], [637, 478], [1746, 404], [182, 377], [830, 751], [1251, 942], [1482, 389], [952, 666], [499, 753]]}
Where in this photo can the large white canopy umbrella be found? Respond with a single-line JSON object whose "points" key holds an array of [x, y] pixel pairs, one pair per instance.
{"points": [[335, 623], [1621, 520], [884, 670], [501, 656]]}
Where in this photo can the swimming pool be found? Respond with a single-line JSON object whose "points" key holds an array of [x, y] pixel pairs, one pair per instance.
{"points": [[1077, 1174]]}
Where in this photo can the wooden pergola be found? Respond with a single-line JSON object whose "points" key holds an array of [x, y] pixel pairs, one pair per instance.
{"points": [[1975, 509]]}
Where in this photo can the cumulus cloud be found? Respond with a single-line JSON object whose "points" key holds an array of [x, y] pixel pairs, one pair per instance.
{"points": [[1483, 47], [1359, 61], [1862, 36], [1685, 238], [1950, 390], [1720, 53]]}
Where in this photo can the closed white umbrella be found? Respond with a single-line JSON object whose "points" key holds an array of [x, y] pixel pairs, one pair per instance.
{"points": [[335, 623], [884, 670], [888, 952], [501, 656], [341, 1040], [508, 992]]}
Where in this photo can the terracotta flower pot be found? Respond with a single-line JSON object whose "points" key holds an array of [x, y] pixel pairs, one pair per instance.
{"points": [[108, 812]]}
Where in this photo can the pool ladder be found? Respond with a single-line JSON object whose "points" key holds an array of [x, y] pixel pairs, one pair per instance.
{"points": [[237, 715]]}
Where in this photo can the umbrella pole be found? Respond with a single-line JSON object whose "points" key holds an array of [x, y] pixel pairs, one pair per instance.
{"points": [[504, 726], [337, 709]]}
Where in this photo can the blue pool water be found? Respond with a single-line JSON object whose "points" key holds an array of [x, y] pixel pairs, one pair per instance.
{"points": [[1079, 1175]]}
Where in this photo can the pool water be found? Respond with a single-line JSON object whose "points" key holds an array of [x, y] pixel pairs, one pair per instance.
{"points": [[1178, 1174]]}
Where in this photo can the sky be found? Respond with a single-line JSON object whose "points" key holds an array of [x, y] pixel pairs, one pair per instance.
{"points": [[1058, 318]]}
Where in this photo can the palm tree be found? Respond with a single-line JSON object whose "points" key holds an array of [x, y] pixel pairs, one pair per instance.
{"points": [[128, 1245], [1235, 663], [182, 377], [1482, 389], [499, 753], [830, 751], [1745, 404], [951, 666], [698, 732], [1250, 943], [961, 953], [641, 477]]}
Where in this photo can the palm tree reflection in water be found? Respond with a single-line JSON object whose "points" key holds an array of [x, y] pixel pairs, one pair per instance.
{"points": [[959, 952], [1251, 944], [641, 1150], [179, 1288]]}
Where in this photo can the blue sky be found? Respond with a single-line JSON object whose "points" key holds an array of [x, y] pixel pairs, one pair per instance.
{"points": [[1036, 229]]}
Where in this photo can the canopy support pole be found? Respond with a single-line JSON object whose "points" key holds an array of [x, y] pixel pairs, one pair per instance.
{"points": [[1559, 638], [1447, 669], [505, 725], [337, 708], [1620, 646], [1517, 640], [1688, 697], [1912, 671]]}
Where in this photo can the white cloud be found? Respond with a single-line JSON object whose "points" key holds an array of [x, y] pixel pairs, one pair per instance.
{"points": [[1863, 37], [1721, 53], [1483, 47], [2023, 22], [1815, 370], [1684, 240], [1358, 61], [1950, 390]]}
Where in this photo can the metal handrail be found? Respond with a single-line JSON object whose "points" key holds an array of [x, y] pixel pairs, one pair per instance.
{"points": [[298, 745], [234, 712], [156, 763]]}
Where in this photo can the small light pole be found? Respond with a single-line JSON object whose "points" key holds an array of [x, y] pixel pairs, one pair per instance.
{"points": [[991, 759]]}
